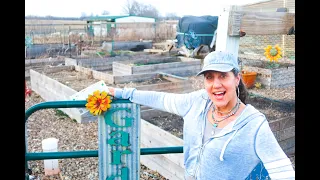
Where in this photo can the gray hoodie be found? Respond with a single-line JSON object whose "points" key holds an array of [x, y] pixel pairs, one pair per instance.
{"points": [[232, 154]]}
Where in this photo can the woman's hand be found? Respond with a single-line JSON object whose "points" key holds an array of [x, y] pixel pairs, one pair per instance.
{"points": [[111, 90]]}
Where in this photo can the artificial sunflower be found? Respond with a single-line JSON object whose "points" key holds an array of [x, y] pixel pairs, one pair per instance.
{"points": [[273, 53], [98, 102]]}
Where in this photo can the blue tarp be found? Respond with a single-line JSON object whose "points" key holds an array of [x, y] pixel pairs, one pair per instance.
{"points": [[195, 30]]}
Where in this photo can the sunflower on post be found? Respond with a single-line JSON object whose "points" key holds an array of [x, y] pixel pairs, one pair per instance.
{"points": [[273, 53]]}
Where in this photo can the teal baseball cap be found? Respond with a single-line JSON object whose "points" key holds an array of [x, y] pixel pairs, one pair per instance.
{"points": [[221, 61]]}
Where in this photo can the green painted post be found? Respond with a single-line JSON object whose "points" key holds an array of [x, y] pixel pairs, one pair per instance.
{"points": [[119, 139]]}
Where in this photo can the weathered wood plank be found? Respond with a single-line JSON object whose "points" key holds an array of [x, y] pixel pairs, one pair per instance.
{"points": [[134, 78], [163, 137], [153, 50], [177, 87], [172, 78], [260, 23], [155, 162], [153, 136]]}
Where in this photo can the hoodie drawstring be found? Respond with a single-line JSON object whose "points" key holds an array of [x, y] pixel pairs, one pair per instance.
{"points": [[225, 145]]}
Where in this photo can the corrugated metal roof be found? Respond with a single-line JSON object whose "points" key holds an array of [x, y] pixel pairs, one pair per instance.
{"points": [[258, 2], [109, 18], [138, 16], [105, 18]]}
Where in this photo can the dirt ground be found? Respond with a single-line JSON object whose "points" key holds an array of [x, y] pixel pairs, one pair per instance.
{"points": [[46, 123], [78, 80]]}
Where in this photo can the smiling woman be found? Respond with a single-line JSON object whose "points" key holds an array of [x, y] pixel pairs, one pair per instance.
{"points": [[217, 124]]}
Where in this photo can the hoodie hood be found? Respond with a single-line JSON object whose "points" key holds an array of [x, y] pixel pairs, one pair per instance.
{"points": [[248, 114]]}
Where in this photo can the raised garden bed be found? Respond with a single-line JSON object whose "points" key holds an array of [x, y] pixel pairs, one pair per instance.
{"points": [[99, 64], [180, 66], [79, 80], [47, 64], [279, 75], [102, 68], [72, 78], [63, 84], [105, 63]]}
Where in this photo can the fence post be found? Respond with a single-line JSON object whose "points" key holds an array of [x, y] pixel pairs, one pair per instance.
{"points": [[100, 33], [119, 142], [69, 41], [224, 41]]}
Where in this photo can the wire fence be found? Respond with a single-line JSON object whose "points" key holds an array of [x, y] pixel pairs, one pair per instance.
{"points": [[69, 39], [253, 45], [50, 40]]}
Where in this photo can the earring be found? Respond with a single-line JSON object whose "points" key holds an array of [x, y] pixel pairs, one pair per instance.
{"points": [[238, 91]]}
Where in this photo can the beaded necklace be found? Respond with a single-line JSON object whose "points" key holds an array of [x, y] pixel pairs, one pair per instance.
{"points": [[232, 112], [229, 110]]}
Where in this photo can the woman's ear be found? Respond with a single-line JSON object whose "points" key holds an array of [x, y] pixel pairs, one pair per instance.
{"points": [[238, 77]]}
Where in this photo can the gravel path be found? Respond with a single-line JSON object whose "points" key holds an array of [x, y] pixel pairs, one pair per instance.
{"points": [[72, 137]]}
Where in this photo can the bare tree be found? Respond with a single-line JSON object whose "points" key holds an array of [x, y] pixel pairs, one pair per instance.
{"points": [[133, 7], [127, 8], [172, 16], [149, 11]]}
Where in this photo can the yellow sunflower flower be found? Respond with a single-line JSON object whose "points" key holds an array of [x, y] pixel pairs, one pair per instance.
{"points": [[273, 53], [98, 102]]}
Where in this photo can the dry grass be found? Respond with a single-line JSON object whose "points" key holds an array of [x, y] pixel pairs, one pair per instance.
{"points": [[39, 21]]}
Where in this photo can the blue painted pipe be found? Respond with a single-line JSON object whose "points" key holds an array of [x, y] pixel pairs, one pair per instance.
{"points": [[94, 153]]}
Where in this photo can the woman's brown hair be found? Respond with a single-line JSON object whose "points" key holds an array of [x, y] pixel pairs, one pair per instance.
{"points": [[242, 88]]}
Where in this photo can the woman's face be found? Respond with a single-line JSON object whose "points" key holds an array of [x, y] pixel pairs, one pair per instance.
{"points": [[221, 87]]}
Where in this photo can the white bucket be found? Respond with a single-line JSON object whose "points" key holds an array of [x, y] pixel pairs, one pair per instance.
{"points": [[51, 166]]}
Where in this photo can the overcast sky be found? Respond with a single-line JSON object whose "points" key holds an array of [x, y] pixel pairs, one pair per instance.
{"points": [[74, 8]]}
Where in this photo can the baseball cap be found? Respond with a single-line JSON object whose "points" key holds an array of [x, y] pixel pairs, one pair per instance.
{"points": [[221, 61]]}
